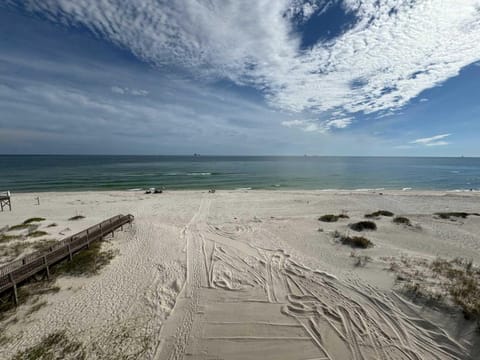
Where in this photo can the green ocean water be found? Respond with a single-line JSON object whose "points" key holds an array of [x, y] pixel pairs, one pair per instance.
{"points": [[74, 173]]}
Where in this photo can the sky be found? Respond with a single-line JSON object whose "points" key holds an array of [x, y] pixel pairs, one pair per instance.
{"points": [[240, 77]]}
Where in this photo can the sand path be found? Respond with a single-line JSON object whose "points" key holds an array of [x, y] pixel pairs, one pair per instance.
{"points": [[241, 301]]}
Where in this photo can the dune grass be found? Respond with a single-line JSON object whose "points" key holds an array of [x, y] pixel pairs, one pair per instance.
{"points": [[454, 214], [379, 213], [19, 227], [54, 346], [6, 238], [464, 284], [37, 233], [356, 241], [86, 262], [332, 218], [76, 217], [34, 219], [363, 225]]}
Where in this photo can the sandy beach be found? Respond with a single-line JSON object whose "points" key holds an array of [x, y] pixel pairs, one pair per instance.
{"points": [[252, 275]]}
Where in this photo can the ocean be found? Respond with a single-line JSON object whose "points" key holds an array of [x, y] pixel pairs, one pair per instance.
{"points": [[25, 173]]}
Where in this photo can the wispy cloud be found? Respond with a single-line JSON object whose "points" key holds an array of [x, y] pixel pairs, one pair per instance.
{"points": [[432, 141], [128, 91], [387, 57], [318, 126]]}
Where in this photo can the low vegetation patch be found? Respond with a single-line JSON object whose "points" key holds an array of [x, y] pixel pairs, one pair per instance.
{"points": [[29, 293], [453, 214], [7, 238], [401, 220], [44, 245], [332, 218], [52, 225], [356, 241], [19, 227], [37, 233], [442, 282], [34, 219], [363, 225], [86, 262], [379, 213], [77, 217], [52, 347]]}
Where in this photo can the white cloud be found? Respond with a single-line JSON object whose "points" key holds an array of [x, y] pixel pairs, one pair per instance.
{"points": [[432, 141], [395, 50], [318, 126], [126, 90]]}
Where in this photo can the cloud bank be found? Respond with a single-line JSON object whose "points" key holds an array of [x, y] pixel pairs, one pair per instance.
{"points": [[394, 50]]}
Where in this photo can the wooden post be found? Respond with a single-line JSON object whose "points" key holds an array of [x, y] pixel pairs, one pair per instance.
{"points": [[15, 293], [70, 252], [46, 266]]}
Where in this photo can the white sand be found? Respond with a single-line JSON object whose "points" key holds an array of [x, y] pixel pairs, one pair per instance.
{"points": [[247, 275]]}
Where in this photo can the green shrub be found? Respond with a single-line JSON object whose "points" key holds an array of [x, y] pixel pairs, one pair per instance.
{"points": [[363, 225], [332, 218], [356, 242], [379, 213], [401, 220], [34, 219], [77, 217]]}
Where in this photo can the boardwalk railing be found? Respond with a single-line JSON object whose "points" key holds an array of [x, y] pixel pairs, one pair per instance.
{"points": [[23, 268]]}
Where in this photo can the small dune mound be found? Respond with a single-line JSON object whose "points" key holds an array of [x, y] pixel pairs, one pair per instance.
{"points": [[379, 213], [454, 214], [356, 241], [363, 225], [332, 218], [402, 220]]}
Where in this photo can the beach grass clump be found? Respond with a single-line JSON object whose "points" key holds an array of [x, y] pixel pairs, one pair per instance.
{"points": [[379, 213], [29, 293], [37, 233], [76, 217], [44, 245], [19, 227], [6, 238], [464, 286], [332, 218], [54, 346], [34, 219], [402, 220], [454, 214], [363, 225], [86, 262], [356, 242]]}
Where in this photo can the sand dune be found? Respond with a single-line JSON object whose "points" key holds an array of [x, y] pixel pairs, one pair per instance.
{"points": [[247, 275]]}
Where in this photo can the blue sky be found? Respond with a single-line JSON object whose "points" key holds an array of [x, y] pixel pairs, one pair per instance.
{"points": [[289, 77]]}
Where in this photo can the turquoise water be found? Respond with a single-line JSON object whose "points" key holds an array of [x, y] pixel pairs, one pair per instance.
{"points": [[51, 173]]}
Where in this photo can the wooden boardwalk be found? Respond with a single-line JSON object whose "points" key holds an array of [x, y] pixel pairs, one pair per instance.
{"points": [[18, 271]]}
